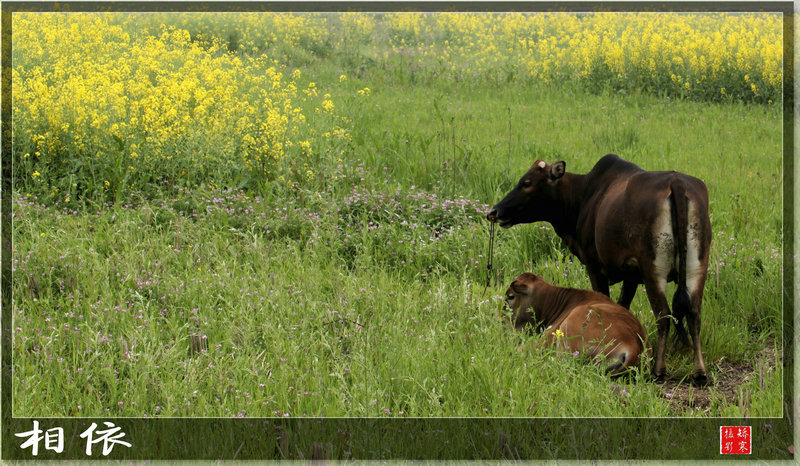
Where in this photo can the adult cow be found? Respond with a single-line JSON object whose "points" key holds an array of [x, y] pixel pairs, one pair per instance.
{"points": [[626, 225]]}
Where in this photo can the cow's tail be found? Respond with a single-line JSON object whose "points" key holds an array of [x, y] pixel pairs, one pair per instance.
{"points": [[681, 301]]}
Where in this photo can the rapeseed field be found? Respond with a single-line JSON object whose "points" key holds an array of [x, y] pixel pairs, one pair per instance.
{"points": [[109, 103]]}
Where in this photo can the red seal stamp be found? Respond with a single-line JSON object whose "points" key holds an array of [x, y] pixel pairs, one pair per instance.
{"points": [[735, 440]]}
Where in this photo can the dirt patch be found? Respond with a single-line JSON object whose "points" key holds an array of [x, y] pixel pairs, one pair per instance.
{"points": [[725, 377]]}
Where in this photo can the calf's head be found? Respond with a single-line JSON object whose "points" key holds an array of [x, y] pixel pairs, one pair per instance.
{"points": [[519, 298], [531, 199]]}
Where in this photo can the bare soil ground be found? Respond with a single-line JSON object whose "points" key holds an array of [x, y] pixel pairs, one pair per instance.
{"points": [[725, 378]]}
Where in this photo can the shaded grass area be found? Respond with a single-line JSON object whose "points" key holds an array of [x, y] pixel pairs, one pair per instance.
{"points": [[475, 438]]}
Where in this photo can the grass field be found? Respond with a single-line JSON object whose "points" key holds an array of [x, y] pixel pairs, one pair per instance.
{"points": [[312, 241]]}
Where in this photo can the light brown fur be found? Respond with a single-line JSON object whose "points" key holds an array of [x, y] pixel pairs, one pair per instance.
{"points": [[577, 320]]}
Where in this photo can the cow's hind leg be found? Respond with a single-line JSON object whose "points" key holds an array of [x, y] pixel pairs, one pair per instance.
{"points": [[658, 300], [700, 377]]}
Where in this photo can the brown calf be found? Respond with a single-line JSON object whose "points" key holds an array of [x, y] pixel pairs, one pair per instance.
{"points": [[576, 320]]}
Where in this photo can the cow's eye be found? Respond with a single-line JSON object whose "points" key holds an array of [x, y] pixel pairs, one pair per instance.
{"points": [[526, 183], [510, 297]]}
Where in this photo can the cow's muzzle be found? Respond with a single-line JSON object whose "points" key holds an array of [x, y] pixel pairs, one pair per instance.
{"points": [[494, 217]]}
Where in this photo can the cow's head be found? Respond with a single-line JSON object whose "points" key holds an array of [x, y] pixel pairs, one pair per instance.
{"points": [[532, 198], [519, 298]]}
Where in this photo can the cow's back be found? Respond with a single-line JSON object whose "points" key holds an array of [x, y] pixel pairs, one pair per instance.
{"points": [[630, 220]]}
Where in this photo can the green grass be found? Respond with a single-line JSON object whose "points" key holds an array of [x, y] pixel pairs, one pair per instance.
{"points": [[361, 293], [368, 304]]}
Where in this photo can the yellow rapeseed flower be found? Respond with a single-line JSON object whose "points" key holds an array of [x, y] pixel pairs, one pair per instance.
{"points": [[165, 88]]}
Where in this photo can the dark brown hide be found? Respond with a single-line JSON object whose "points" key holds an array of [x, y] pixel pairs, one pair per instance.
{"points": [[577, 320], [626, 225]]}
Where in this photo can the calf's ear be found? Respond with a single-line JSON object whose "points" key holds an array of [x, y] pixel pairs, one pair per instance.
{"points": [[557, 170], [519, 287]]}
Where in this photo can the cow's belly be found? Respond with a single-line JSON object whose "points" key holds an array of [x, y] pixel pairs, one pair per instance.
{"points": [[627, 271], [620, 258], [638, 240]]}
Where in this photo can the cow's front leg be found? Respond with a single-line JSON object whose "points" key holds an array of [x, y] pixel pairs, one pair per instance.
{"points": [[627, 293], [598, 280]]}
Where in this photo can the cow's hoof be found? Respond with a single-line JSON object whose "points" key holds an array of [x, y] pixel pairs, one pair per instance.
{"points": [[700, 379], [658, 378]]}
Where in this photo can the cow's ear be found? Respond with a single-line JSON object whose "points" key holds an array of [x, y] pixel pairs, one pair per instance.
{"points": [[557, 170]]}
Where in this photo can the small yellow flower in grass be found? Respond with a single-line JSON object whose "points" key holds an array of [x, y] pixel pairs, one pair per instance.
{"points": [[35, 174], [42, 234], [312, 89], [66, 199], [558, 333], [342, 78]]}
